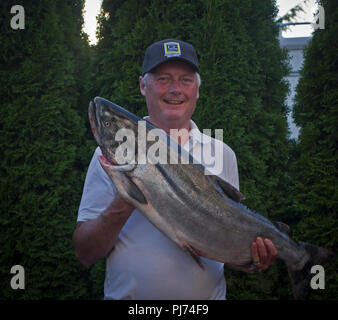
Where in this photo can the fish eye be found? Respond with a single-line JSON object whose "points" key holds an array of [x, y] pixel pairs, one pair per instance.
{"points": [[106, 123]]}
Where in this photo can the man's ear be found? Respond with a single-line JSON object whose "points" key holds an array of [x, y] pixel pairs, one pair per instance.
{"points": [[142, 86]]}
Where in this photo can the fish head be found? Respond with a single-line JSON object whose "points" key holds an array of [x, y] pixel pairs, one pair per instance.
{"points": [[106, 121]]}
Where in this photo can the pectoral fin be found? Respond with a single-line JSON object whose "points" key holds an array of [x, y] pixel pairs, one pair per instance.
{"points": [[193, 252], [122, 178], [134, 191], [283, 227]]}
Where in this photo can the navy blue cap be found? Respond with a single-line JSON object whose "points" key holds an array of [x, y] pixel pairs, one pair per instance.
{"points": [[169, 49]]}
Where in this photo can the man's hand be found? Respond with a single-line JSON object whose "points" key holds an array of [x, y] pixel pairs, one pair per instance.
{"points": [[264, 254]]}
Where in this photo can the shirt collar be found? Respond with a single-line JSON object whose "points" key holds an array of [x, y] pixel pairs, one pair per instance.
{"points": [[194, 134]]}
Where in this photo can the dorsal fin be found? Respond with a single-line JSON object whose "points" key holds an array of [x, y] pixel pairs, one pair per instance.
{"points": [[227, 188], [281, 226]]}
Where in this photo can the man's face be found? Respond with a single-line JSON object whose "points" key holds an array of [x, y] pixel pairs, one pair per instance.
{"points": [[171, 93]]}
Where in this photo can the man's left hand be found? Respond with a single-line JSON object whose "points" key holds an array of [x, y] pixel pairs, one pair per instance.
{"points": [[264, 254]]}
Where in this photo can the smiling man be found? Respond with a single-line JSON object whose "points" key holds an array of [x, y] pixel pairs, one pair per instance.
{"points": [[171, 93], [142, 263]]}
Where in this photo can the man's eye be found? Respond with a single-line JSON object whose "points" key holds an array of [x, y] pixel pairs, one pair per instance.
{"points": [[187, 80], [163, 79]]}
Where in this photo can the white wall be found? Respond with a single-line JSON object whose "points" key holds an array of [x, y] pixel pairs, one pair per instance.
{"points": [[295, 47]]}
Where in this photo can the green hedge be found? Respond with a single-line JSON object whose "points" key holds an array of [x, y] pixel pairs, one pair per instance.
{"points": [[49, 73], [315, 164]]}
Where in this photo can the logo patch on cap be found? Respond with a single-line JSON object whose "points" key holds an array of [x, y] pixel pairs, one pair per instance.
{"points": [[172, 49]]}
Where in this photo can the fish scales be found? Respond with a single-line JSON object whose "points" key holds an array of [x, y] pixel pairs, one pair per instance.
{"points": [[200, 213]]}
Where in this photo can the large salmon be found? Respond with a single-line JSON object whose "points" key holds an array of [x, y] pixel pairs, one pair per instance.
{"points": [[199, 212]]}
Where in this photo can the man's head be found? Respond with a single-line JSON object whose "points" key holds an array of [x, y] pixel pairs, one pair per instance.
{"points": [[170, 82], [169, 50]]}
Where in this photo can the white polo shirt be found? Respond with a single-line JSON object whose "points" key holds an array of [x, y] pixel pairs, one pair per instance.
{"points": [[145, 264]]}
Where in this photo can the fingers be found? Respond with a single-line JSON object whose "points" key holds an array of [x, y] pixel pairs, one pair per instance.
{"points": [[255, 256], [272, 251], [264, 253]]}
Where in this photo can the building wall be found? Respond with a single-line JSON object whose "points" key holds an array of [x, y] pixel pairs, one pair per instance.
{"points": [[295, 47]]}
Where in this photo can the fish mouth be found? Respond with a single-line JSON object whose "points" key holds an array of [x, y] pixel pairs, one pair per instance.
{"points": [[111, 164], [94, 125], [108, 162]]}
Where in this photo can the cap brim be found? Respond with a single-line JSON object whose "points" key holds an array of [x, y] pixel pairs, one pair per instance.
{"points": [[193, 66]]}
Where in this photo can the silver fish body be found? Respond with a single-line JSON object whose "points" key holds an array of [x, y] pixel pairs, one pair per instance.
{"points": [[200, 213]]}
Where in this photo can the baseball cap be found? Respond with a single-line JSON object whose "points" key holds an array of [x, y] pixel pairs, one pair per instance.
{"points": [[169, 49]]}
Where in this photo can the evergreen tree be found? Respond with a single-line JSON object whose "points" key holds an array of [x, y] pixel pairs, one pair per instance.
{"points": [[42, 137], [242, 92], [315, 171]]}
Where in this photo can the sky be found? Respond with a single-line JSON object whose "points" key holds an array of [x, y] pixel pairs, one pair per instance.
{"points": [[309, 6], [92, 9]]}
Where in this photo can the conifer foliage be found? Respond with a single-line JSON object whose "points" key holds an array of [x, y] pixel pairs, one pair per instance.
{"points": [[315, 170], [49, 73], [41, 134]]}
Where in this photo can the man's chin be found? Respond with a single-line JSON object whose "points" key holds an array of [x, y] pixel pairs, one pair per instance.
{"points": [[174, 115]]}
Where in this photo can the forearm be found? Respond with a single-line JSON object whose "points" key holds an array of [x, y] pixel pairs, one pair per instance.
{"points": [[94, 239]]}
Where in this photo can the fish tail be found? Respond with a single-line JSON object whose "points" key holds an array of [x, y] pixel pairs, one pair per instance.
{"points": [[300, 279]]}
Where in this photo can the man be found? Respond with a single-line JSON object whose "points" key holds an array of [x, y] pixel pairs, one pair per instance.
{"points": [[142, 263]]}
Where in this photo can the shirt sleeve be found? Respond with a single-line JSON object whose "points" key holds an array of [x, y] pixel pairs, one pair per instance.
{"points": [[230, 168], [98, 191], [234, 179]]}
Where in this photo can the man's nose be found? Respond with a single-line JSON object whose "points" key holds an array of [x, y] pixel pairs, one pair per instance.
{"points": [[175, 87]]}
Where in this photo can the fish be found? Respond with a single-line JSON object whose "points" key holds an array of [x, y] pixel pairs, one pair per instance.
{"points": [[199, 211]]}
